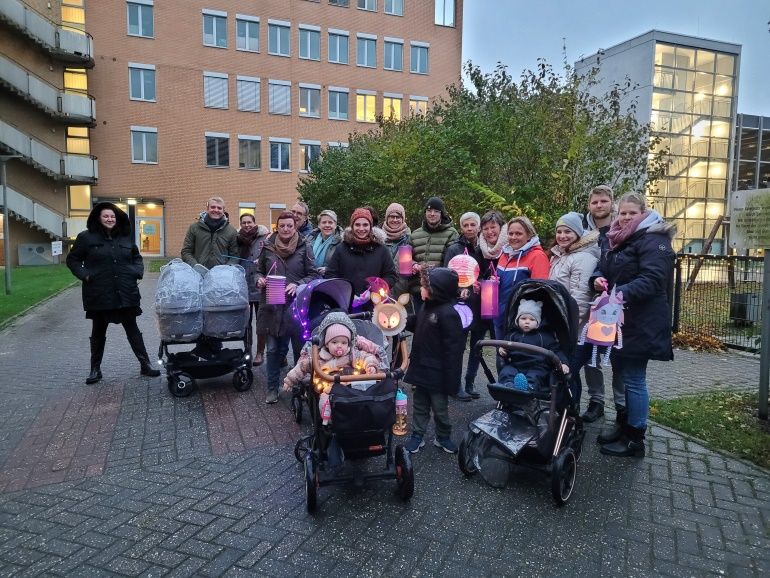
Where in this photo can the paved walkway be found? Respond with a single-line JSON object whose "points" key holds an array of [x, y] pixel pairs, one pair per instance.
{"points": [[120, 478]]}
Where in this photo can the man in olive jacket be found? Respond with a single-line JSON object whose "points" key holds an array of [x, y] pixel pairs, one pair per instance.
{"points": [[430, 242], [210, 240]]}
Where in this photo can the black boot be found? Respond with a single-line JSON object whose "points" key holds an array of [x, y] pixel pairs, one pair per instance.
{"points": [[97, 352], [630, 444], [137, 345], [470, 390], [594, 411], [614, 432]]}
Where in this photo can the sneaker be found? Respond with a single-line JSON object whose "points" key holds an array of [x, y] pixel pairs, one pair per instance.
{"points": [[414, 443], [594, 411], [446, 444], [272, 397]]}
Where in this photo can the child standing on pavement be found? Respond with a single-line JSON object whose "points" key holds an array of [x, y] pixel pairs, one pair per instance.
{"points": [[435, 362]]}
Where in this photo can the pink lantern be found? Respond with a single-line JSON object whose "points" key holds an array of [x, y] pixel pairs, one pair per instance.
{"points": [[276, 290], [489, 304], [467, 269], [405, 260]]}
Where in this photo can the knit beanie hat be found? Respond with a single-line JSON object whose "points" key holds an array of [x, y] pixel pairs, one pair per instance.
{"points": [[573, 221], [436, 204], [470, 215], [336, 330], [529, 307], [360, 213], [395, 208], [327, 213], [338, 318]]}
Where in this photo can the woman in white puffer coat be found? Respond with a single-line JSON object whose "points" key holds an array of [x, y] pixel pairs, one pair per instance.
{"points": [[573, 262]]}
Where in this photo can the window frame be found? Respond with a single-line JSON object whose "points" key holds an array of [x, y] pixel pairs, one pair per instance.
{"points": [[393, 5], [242, 138], [208, 78], [366, 39], [392, 42], [281, 143], [443, 19], [218, 137], [311, 32], [239, 80], [338, 34], [215, 16], [141, 5], [308, 90], [280, 26], [393, 97], [416, 103], [144, 131], [362, 115], [248, 20], [366, 5], [271, 83], [142, 69], [337, 90], [305, 148], [417, 48]]}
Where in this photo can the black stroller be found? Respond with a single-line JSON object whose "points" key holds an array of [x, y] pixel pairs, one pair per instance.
{"points": [[206, 311], [537, 429], [361, 420]]}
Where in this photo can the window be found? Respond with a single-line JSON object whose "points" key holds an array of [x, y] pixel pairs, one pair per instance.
{"points": [[365, 106], [141, 81], [391, 106], [78, 141], [217, 149], [445, 12], [310, 100], [140, 20], [418, 105], [279, 96], [367, 5], [394, 54], [309, 42], [144, 144], [395, 7], [338, 46], [249, 149], [338, 103], [366, 54], [419, 60], [246, 33], [215, 28], [344, 3], [248, 89], [278, 37], [214, 90], [310, 151], [280, 154]]}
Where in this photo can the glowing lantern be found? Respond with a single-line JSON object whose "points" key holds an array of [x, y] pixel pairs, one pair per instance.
{"points": [[389, 314], [489, 298], [466, 267], [276, 290], [465, 313], [405, 260]]}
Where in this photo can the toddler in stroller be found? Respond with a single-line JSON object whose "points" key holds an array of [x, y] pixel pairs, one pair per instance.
{"points": [[524, 370], [536, 427]]}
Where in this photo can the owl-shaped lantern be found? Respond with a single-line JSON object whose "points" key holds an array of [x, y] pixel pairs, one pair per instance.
{"points": [[604, 326], [390, 314], [466, 267]]}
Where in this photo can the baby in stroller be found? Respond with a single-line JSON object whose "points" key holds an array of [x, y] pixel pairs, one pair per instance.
{"points": [[343, 351], [521, 369]]}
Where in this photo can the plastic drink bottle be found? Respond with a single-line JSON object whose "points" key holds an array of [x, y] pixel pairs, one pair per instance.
{"points": [[399, 428]]}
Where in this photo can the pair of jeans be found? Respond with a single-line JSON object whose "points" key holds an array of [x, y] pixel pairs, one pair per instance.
{"points": [[425, 400], [474, 356], [276, 350], [633, 373]]}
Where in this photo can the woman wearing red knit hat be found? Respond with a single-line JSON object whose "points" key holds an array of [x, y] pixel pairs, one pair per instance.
{"points": [[361, 254]]}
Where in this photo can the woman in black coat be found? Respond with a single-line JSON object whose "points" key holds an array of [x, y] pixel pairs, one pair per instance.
{"points": [[108, 263], [361, 254], [640, 264]]}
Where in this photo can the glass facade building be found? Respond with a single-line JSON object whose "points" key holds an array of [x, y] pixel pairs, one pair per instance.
{"points": [[751, 167]]}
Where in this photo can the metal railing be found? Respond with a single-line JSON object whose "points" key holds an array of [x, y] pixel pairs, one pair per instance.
{"points": [[32, 211], [720, 296]]}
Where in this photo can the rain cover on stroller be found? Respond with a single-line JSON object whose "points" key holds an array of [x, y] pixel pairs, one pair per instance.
{"points": [[178, 302], [225, 300]]}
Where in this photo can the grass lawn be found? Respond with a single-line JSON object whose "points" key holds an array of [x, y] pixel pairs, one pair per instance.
{"points": [[30, 285], [154, 265], [724, 420]]}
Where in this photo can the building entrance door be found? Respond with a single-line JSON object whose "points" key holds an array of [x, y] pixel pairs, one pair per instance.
{"points": [[149, 232]]}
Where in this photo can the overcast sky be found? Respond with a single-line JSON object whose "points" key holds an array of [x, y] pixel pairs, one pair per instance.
{"points": [[518, 32]]}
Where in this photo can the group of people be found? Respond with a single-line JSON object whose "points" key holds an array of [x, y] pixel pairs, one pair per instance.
{"points": [[625, 246]]}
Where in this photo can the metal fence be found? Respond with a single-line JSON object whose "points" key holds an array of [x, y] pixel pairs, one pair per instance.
{"points": [[719, 296]]}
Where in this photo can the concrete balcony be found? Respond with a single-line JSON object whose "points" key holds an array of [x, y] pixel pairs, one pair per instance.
{"points": [[65, 44], [72, 168], [66, 106], [37, 216]]}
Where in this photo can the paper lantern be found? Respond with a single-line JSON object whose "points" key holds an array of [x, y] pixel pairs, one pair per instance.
{"points": [[276, 290], [390, 314], [466, 267], [378, 285], [489, 299], [465, 313], [405, 260]]}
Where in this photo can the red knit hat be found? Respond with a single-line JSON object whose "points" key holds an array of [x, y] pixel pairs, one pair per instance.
{"points": [[360, 213]]}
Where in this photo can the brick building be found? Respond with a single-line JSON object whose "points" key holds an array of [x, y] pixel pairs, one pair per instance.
{"points": [[234, 98]]}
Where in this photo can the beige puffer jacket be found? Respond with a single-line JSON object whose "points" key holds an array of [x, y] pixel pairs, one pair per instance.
{"points": [[573, 269]]}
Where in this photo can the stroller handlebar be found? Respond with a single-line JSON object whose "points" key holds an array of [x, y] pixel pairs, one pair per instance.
{"points": [[396, 373], [547, 353]]}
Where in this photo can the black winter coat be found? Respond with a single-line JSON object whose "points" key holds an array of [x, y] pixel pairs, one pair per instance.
{"points": [[531, 363], [436, 359], [108, 266], [643, 269], [357, 262]]}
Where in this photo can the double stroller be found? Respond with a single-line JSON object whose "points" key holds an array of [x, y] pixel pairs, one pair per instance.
{"points": [[206, 308], [539, 429], [362, 412]]}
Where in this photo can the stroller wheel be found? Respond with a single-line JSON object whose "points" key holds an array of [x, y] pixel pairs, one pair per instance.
{"points": [[296, 408], [180, 385], [563, 471], [466, 454], [311, 483], [242, 379], [404, 473], [302, 447]]}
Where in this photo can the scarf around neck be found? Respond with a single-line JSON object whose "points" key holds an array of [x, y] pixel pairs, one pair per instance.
{"points": [[285, 250], [492, 252], [618, 234], [320, 247], [533, 241], [395, 234], [246, 240]]}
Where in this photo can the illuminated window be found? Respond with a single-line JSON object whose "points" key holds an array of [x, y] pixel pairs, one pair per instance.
{"points": [[75, 79], [418, 105], [365, 103], [73, 14], [80, 197], [78, 141], [391, 106], [309, 100]]}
